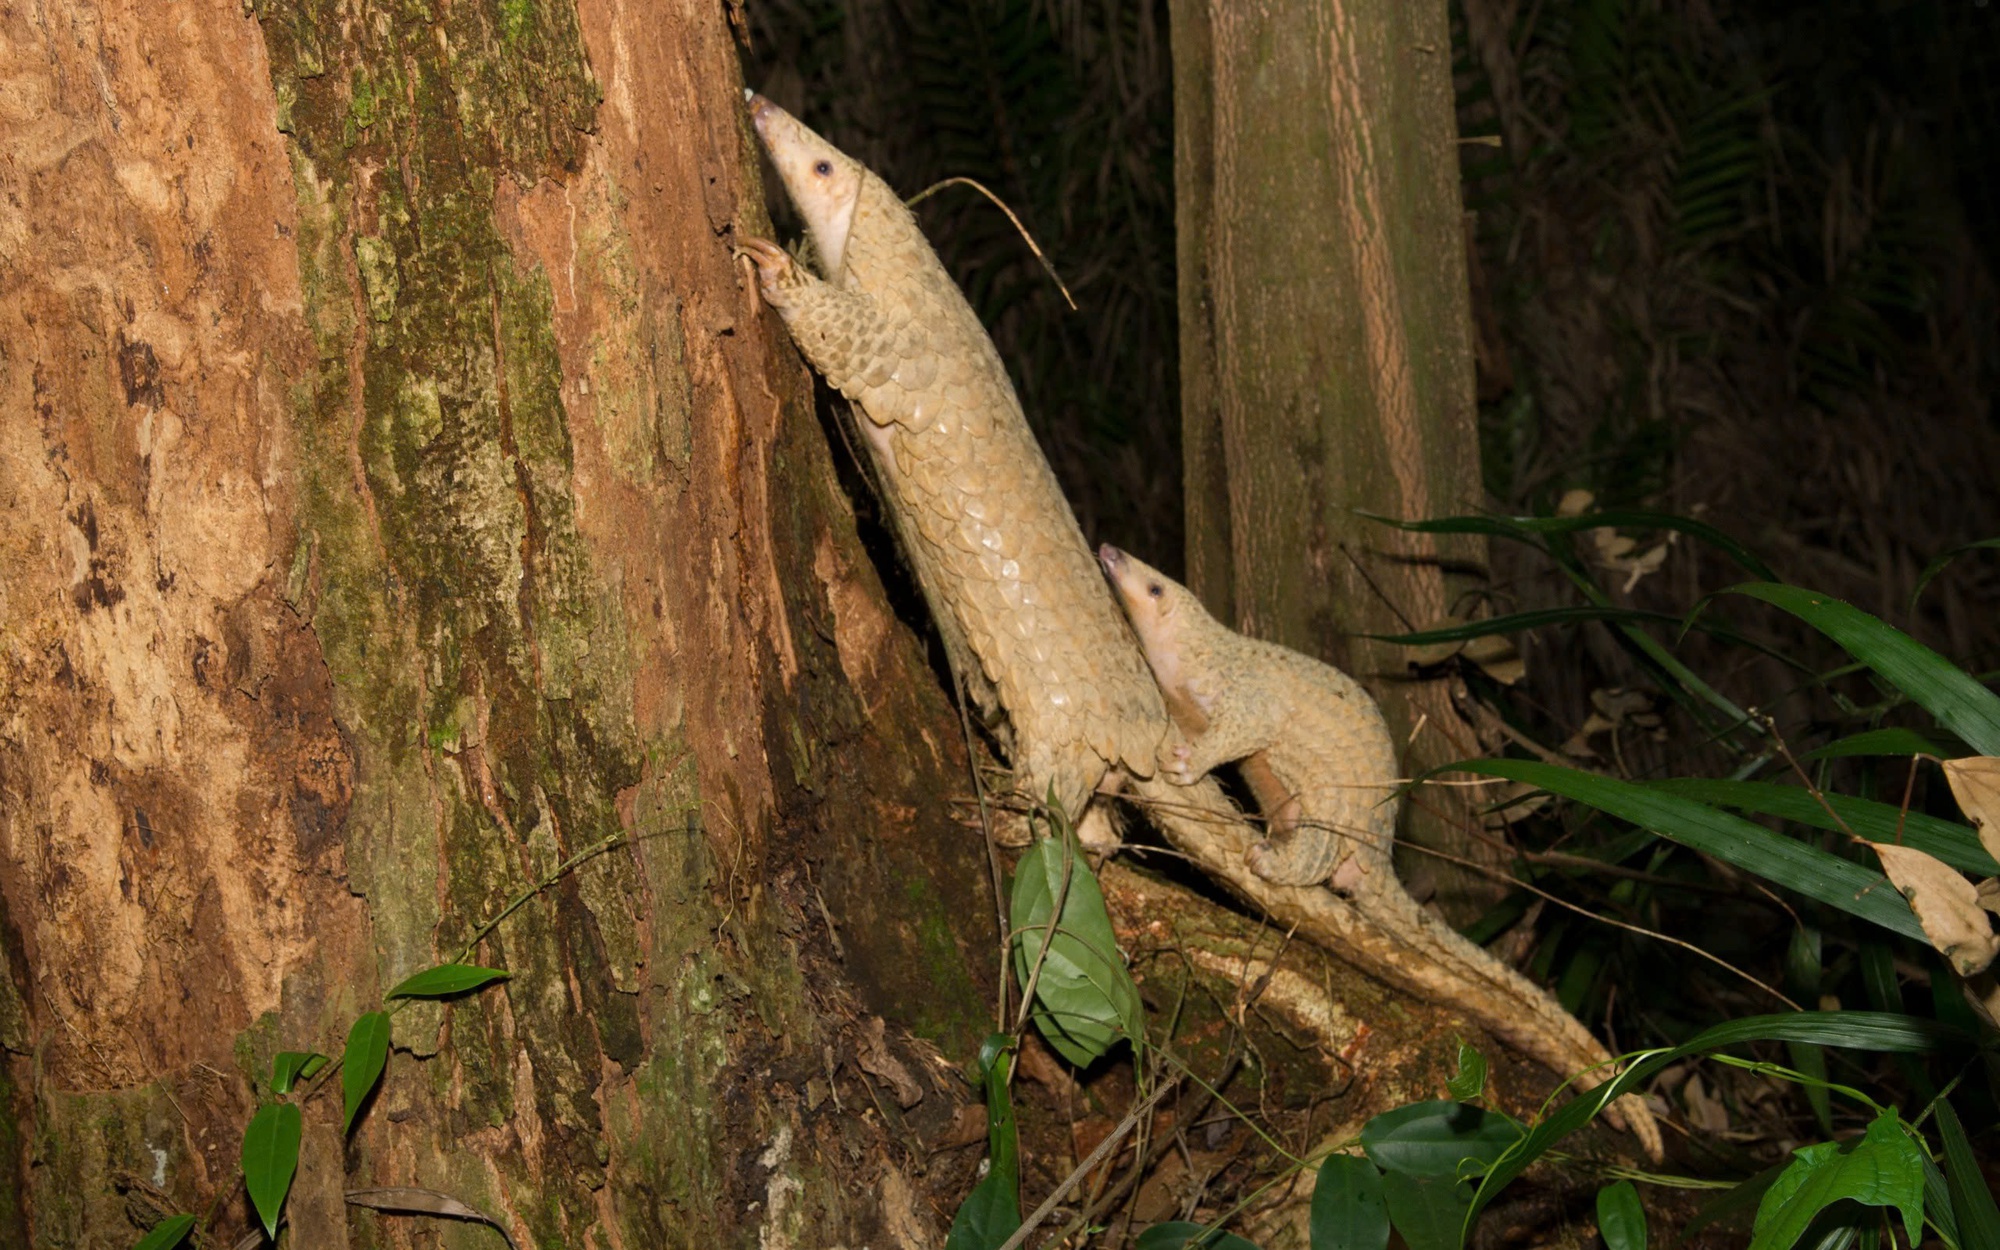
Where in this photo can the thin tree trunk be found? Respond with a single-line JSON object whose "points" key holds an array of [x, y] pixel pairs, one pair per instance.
{"points": [[1326, 359], [402, 495]]}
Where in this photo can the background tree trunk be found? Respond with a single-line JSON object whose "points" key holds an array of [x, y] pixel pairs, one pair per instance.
{"points": [[1326, 353], [402, 494]]}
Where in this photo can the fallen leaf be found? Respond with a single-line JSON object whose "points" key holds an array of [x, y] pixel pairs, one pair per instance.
{"points": [[877, 1060], [1947, 906], [1575, 502], [1975, 783], [1705, 1111]]}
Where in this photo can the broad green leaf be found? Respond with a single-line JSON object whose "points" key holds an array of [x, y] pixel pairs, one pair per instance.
{"points": [[1436, 1139], [1527, 528], [1177, 1234], [1348, 1210], [362, 1062], [1852, 1030], [1884, 1169], [167, 1234], [1470, 1081], [992, 1211], [1430, 1211], [1085, 998], [288, 1067], [1751, 847], [1934, 683], [1971, 1201], [446, 980], [1937, 566], [1621, 1220], [1892, 742], [270, 1157], [1955, 844]]}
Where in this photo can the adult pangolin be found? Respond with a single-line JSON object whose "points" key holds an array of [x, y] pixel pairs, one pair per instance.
{"points": [[987, 528]]}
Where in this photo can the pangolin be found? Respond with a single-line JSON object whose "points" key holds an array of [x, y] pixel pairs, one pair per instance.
{"points": [[1318, 758], [988, 530], [1013, 585]]}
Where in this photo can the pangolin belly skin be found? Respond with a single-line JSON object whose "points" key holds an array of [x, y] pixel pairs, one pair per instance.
{"points": [[991, 535]]}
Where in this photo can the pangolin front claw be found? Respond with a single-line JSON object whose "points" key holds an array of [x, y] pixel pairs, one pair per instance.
{"points": [[774, 264], [1175, 761]]}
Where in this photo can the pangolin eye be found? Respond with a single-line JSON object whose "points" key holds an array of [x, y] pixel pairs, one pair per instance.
{"points": [[1155, 589], [823, 168]]}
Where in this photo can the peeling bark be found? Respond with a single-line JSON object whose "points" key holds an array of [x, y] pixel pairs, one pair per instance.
{"points": [[402, 494]]}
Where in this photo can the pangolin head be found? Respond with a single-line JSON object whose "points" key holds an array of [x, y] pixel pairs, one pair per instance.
{"points": [[1153, 602], [823, 181]]}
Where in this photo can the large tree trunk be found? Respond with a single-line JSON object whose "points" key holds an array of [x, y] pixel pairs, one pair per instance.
{"points": [[403, 494], [1326, 359]]}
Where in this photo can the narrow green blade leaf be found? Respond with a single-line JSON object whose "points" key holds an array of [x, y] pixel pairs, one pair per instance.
{"points": [[270, 1157], [167, 1234], [1438, 1139], [1085, 997], [1937, 566], [362, 1062], [1751, 847], [1937, 1206], [1179, 1234], [1893, 742], [1348, 1210], [1431, 1212], [1853, 1030], [1971, 1201], [1621, 1220], [1955, 844], [288, 1067], [992, 1211], [446, 980], [1470, 1081], [1526, 528], [1934, 683]]}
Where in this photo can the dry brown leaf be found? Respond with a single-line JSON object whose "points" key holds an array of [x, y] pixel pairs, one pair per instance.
{"points": [[1989, 894], [1947, 906], [1975, 783], [1705, 1111], [1575, 502]]}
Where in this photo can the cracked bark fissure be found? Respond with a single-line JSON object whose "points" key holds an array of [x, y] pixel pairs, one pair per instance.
{"points": [[402, 494]]}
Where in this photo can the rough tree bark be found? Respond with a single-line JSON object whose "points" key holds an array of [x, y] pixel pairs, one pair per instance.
{"points": [[402, 494], [1326, 357]]}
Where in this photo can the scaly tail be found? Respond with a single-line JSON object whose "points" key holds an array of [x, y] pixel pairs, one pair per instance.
{"points": [[1412, 951]]}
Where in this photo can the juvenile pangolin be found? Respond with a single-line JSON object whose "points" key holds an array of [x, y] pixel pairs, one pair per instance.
{"points": [[1317, 756], [987, 528]]}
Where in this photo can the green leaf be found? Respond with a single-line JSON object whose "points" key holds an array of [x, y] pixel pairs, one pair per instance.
{"points": [[1435, 1139], [362, 1062], [1520, 622], [288, 1067], [992, 1211], [270, 1157], [1176, 1234], [1893, 742], [1621, 1221], [167, 1234], [1470, 1082], [1348, 1209], [1852, 1030], [1812, 872], [1527, 528], [1955, 844], [1084, 997], [1937, 1206], [1884, 1169], [445, 980], [1430, 1211], [1803, 976], [1934, 683], [1937, 566], [1971, 1201]]}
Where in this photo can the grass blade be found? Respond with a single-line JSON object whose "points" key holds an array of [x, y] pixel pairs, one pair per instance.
{"points": [[1751, 847], [1955, 844], [1971, 1201], [1934, 683]]}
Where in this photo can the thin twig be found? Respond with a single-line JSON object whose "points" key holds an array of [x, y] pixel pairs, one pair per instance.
{"points": [[1034, 247]]}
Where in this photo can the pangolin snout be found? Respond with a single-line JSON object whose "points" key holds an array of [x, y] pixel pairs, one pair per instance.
{"points": [[1111, 558], [760, 109]]}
